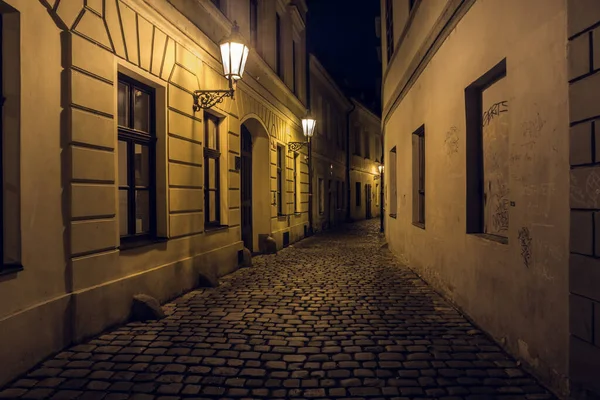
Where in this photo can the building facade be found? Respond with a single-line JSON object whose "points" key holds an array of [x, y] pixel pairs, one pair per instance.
{"points": [[365, 158], [117, 187], [485, 108], [329, 143]]}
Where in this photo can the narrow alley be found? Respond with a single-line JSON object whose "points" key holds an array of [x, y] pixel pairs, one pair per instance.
{"points": [[333, 316]]}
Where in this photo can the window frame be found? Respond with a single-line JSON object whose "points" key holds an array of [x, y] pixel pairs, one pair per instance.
{"points": [[389, 28], [474, 150], [419, 174], [253, 16], [321, 183], [214, 154], [295, 172], [132, 136], [280, 167], [294, 76], [278, 46]]}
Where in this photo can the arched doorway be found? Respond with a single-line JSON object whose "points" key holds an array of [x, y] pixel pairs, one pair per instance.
{"points": [[255, 183]]}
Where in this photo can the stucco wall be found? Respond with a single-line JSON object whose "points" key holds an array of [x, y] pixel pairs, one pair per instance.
{"points": [[76, 279], [516, 291]]}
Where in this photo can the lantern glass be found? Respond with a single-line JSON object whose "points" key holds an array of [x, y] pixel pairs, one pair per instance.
{"points": [[234, 54], [308, 126], [380, 169]]}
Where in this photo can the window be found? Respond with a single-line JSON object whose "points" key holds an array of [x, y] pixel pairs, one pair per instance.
{"points": [[294, 83], [254, 22], [393, 185], [488, 154], [296, 160], [280, 166], [338, 194], [357, 139], [136, 160], [358, 194], [389, 31], [217, 3], [212, 176], [278, 43], [10, 143], [321, 196], [376, 194], [367, 145], [418, 157], [343, 195]]}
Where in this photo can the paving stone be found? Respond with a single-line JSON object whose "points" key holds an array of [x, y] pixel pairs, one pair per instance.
{"points": [[333, 316]]}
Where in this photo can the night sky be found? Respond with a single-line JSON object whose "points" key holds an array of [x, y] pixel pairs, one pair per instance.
{"points": [[341, 33]]}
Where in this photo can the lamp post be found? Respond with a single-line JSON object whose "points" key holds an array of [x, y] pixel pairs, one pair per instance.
{"points": [[381, 168], [234, 54], [308, 129]]}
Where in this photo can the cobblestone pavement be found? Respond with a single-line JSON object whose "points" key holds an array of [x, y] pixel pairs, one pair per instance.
{"points": [[332, 317]]}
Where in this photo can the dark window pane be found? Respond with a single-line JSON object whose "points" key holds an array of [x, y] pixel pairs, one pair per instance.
{"points": [[141, 112], [123, 104], [142, 165], [212, 172], [123, 213], [142, 212], [122, 160], [211, 133], [212, 206]]}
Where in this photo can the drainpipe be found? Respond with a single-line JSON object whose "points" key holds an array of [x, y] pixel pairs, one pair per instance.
{"points": [[348, 160]]}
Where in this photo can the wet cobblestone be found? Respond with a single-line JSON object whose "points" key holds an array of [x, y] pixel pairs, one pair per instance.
{"points": [[332, 317]]}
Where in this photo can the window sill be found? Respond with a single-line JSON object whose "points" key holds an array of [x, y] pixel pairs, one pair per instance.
{"points": [[393, 216], [135, 244], [215, 228], [491, 238], [8, 269], [281, 217], [419, 225]]}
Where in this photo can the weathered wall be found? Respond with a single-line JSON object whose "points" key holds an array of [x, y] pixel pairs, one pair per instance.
{"points": [[584, 275], [518, 290]]}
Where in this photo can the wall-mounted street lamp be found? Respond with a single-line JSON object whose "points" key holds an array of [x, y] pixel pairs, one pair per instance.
{"points": [[381, 212], [234, 54], [308, 129]]}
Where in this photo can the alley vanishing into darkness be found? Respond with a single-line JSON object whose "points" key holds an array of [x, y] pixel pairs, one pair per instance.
{"points": [[334, 316]]}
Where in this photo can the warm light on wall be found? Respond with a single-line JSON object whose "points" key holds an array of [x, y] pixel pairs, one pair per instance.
{"points": [[234, 54]]}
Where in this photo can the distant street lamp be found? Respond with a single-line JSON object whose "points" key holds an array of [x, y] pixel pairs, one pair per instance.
{"points": [[308, 129], [381, 168], [234, 54]]}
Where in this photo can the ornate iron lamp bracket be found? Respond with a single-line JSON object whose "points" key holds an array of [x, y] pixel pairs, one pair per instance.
{"points": [[295, 146], [204, 99]]}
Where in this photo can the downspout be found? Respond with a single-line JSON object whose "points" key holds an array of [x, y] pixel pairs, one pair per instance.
{"points": [[348, 160]]}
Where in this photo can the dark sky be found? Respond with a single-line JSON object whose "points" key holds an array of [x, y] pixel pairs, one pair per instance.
{"points": [[341, 33]]}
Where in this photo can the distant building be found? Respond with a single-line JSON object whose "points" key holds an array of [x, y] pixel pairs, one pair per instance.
{"points": [[483, 112]]}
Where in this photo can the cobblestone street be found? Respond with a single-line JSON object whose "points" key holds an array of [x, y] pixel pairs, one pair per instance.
{"points": [[331, 317]]}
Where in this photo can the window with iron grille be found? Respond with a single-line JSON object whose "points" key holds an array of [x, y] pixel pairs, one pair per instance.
{"points": [[212, 176], [418, 155], [280, 166], [136, 160]]}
